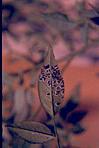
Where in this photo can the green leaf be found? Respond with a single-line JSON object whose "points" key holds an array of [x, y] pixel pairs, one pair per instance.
{"points": [[33, 132], [51, 85]]}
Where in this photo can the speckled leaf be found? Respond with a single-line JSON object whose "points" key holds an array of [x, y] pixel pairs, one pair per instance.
{"points": [[51, 85], [33, 132]]}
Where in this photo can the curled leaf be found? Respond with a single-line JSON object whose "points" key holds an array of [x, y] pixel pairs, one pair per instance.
{"points": [[51, 85], [76, 116], [33, 132]]}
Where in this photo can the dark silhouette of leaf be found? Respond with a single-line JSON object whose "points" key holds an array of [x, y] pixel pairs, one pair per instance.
{"points": [[9, 7], [33, 132], [76, 116], [11, 12], [51, 85], [95, 20], [71, 104], [78, 129], [51, 127]]}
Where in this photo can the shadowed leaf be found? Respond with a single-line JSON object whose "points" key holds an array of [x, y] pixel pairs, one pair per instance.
{"points": [[51, 85], [72, 103], [33, 132], [95, 20], [78, 129], [76, 116]]}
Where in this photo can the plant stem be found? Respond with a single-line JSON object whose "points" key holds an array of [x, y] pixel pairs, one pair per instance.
{"points": [[55, 128]]}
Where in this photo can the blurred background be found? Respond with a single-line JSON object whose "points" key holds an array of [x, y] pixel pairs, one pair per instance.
{"points": [[28, 27]]}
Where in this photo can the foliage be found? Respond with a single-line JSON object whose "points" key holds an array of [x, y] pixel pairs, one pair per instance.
{"points": [[45, 22]]}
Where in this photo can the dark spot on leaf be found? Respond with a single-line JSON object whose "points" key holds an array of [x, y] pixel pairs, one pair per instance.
{"points": [[46, 66], [57, 104], [48, 94]]}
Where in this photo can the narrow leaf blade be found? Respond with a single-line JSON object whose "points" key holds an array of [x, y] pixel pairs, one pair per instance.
{"points": [[32, 132], [76, 116]]}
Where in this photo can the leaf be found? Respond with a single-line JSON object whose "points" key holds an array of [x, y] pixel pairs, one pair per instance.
{"points": [[71, 104], [33, 132], [95, 20], [51, 85], [78, 129], [76, 116]]}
